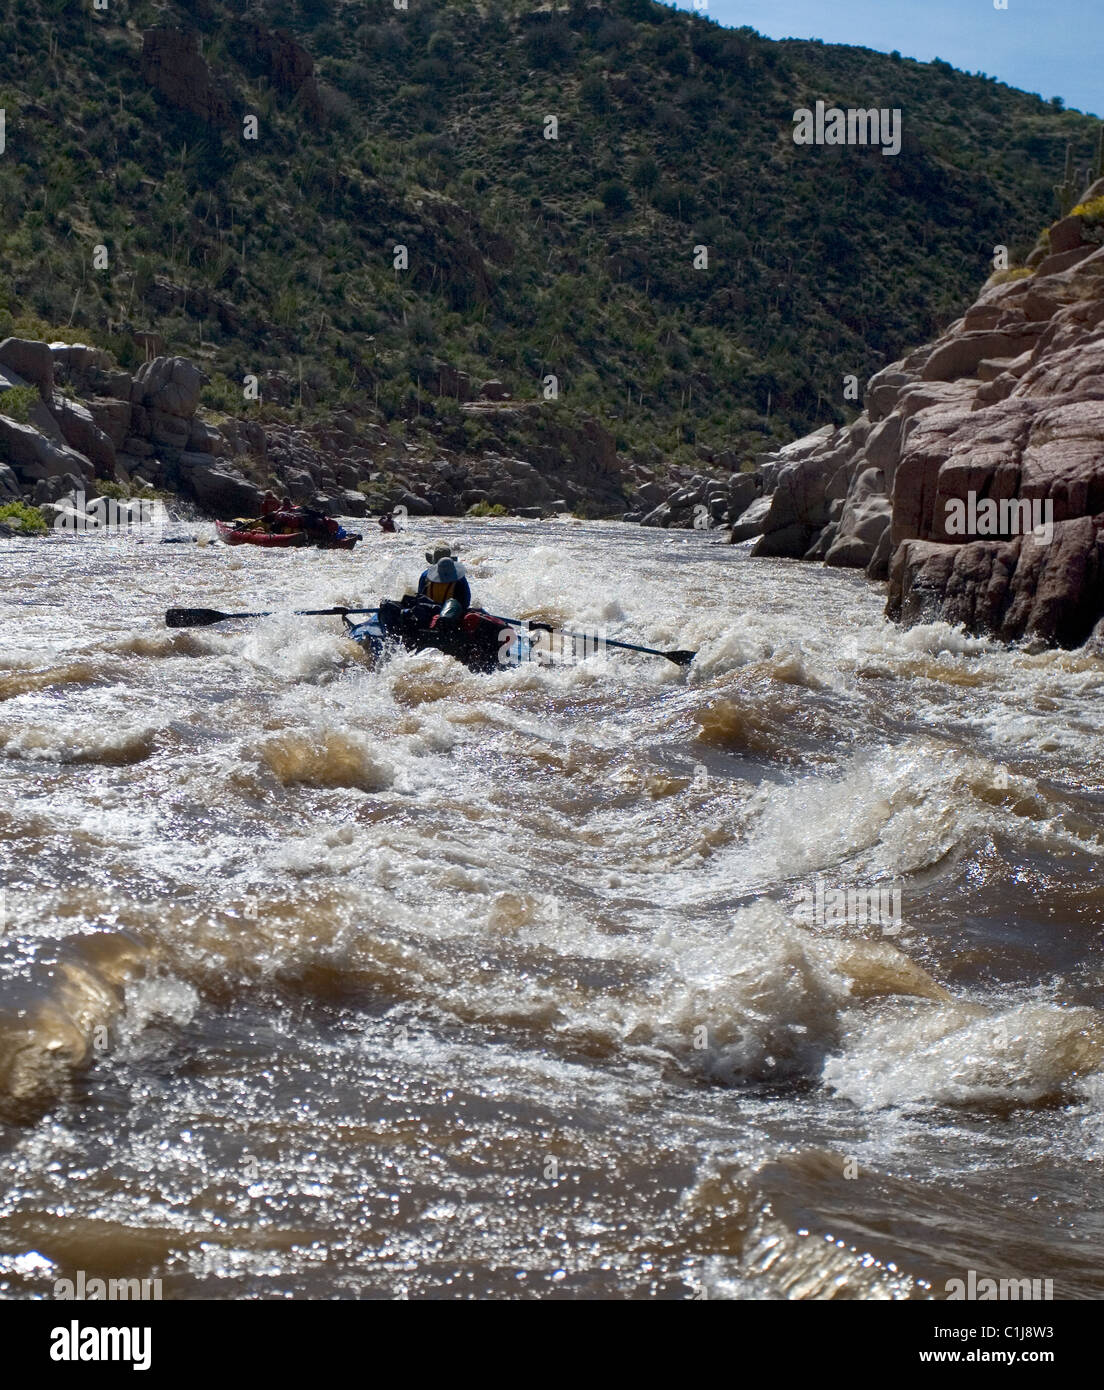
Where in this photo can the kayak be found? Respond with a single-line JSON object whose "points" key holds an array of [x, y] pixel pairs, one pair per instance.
{"points": [[344, 540], [482, 642]]}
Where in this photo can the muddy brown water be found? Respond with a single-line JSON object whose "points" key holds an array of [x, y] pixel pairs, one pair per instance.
{"points": [[326, 981]]}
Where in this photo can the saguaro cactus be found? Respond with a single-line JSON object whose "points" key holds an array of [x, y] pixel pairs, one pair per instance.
{"points": [[1068, 189]]}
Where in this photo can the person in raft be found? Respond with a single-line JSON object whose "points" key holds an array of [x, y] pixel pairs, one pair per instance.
{"points": [[387, 523], [270, 506], [445, 580], [280, 515]]}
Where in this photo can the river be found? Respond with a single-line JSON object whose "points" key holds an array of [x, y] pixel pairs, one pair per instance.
{"points": [[325, 981]]}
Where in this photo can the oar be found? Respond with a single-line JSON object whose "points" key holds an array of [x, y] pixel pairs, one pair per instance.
{"points": [[204, 617], [680, 658]]}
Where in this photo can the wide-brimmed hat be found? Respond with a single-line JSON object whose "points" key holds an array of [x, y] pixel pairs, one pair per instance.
{"points": [[440, 551]]}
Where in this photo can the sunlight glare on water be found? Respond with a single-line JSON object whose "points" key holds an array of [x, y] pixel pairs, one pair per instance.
{"points": [[329, 981]]}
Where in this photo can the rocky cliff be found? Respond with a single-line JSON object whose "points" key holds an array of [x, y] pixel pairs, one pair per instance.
{"points": [[93, 426], [974, 478]]}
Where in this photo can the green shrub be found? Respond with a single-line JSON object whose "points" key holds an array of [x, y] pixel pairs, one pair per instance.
{"points": [[116, 492], [18, 401], [1019, 272], [488, 509], [645, 174], [22, 518], [615, 197]]}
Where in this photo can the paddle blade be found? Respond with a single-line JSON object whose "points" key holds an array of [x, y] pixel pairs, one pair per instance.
{"points": [[193, 617], [680, 658]]}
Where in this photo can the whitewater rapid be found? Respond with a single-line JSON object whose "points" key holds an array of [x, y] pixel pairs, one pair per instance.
{"points": [[326, 980]]}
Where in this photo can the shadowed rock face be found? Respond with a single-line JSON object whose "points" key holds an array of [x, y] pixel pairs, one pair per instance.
{"points": [[1010, 589], [288, 64], [173, 64], [1007, 407]]}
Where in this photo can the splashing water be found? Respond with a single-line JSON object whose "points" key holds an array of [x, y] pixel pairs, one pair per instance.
{"points": [[330, 981]]}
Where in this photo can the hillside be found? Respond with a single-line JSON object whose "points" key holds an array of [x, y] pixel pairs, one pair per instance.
{"points": [[528, 257]]}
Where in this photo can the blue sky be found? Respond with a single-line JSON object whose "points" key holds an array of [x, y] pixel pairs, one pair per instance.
{"points": [[1053, 47]]}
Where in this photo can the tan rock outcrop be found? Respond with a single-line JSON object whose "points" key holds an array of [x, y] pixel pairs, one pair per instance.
{"points": [[1002, 421]]}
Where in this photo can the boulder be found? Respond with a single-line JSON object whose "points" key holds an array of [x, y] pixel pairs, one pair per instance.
{"points": [[457, 385], [219, 488], [169, 385], [743, 488], [962, 355], [299, 484], [864, 522], [807, 444], [34, 457], [789, 542], [878, 568], [1010, 589], [81, 431], [49, 490], [31, 360], [118, 385], [289, 66], [205, 439], [883, 388], [79, 358], [983, 316], [352, 503], [750, 521], [1054, 265], [415, 505], [170, 431], [822, 543], [112, 416], [658, 516], [800, 495], [1066, 234], [1038, 307], [9, 484]]}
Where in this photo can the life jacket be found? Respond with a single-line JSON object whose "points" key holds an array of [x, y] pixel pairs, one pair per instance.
{"points": [[439, 590]]}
